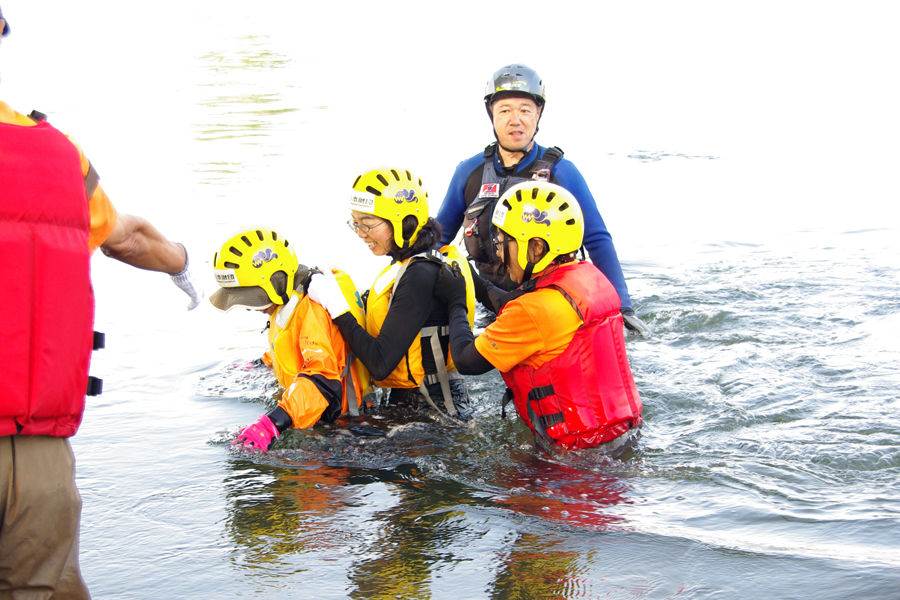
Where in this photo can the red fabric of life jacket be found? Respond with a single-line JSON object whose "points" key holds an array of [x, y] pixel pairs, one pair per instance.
{"points": [[593, 398], [46, 325]]}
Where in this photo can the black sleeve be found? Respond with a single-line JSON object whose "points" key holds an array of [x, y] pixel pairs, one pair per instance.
{"points": [[486, 292], [410, 310], [465, 355]]}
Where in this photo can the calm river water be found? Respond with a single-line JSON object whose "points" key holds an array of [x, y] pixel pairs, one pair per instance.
{"points": [[744, 159]]}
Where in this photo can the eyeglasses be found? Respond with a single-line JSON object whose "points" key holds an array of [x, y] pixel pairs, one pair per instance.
{"points": [[354, 226]]}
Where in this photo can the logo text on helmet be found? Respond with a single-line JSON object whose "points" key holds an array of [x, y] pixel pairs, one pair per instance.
{"points": [[364, 201], [533, 214], [499, 216], [262, 257], [226, 278], [405, 196]]}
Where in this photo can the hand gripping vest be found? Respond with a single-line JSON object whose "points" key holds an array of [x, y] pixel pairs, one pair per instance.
{"points": [[477, 218], [586, 396], [410, 373], [47, 298], [328, 354]]}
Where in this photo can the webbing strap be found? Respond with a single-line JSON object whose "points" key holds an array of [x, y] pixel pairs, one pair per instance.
{"points": [[352, 402], [507, 397], [433, 378], [91, 180], [441, 366], [541, 423], [94, 386], [540, 392], [536, 423], [551, 420]]}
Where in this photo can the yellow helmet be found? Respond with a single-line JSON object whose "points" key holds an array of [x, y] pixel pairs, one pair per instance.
{"points": [[538, 209], [255, 268], [392, 194]]}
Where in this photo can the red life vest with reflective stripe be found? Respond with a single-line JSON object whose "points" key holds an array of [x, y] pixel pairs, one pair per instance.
{"points": [[586, 396], [46, 326]]}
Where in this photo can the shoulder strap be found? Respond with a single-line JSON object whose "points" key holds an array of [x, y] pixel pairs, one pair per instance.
{"points": [[542, 168], [553, 154], [528, 286]]}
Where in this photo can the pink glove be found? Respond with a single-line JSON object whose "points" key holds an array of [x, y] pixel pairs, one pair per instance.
{"points": [[259, 435]]}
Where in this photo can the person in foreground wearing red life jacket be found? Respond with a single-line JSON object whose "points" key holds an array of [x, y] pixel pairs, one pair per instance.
{"points": [[53, 215], [558, 338], [257, 269]]}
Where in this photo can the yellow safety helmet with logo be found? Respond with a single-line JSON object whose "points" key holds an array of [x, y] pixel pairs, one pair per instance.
{"points": [[539, 209], [254, 269], [392, 194]]}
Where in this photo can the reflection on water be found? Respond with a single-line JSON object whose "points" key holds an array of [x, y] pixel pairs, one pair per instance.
{"points": [[396, 532]]}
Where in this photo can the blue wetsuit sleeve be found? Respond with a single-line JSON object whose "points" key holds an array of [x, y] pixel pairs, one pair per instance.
{"points": [[453, 208], [597, 239]]}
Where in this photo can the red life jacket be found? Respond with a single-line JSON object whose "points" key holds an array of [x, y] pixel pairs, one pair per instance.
{"points": [[586, 396], [45, 289]]}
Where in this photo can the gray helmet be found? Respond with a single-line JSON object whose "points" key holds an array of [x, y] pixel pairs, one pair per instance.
{"points": [[514, 80]]}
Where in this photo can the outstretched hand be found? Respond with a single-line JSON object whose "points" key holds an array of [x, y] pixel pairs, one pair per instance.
{"points": [[633, 323], [450, 287]]}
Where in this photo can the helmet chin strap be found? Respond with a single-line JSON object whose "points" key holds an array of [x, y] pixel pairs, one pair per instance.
{"points": [[523, 151], [529, 269]]}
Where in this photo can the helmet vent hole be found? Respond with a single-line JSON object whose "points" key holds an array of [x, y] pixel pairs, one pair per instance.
{"points": [[395, 174], [372, 190], [286, 243], [260, 235], [563, 206], [236, 252], [382, 179], [534, 193], [507, 204], [246, 240], [570, 222], [519, 195], [358, 177], [231, 265], [551, 196]]}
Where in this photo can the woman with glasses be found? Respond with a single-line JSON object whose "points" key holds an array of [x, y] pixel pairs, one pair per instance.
{"points": [[558, 338], [404, 343]]}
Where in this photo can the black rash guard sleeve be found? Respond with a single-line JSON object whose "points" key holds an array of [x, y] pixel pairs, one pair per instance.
{"points": [[412, 308], [487, 293], [466, 357]]}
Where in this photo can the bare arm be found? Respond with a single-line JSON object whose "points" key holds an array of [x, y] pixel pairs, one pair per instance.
{"points": [[135, 241]]}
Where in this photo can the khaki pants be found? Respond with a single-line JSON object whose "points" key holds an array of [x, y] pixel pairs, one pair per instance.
{"points": [[40, 515]]}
